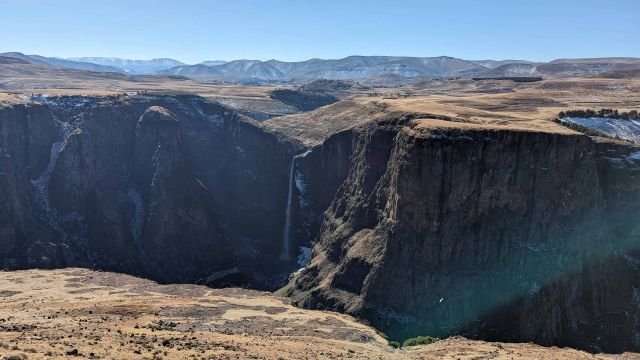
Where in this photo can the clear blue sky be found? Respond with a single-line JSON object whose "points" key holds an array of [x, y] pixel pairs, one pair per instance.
{"points": [[196, 30]]}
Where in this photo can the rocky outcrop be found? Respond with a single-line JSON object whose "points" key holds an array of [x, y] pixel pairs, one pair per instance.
{"points": [[492, 233], [173, 188]]}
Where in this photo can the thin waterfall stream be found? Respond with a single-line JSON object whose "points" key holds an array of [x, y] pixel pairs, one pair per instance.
{"points": [[286, 238]]}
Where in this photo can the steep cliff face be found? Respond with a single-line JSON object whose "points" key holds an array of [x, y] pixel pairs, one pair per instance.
{"points": [[317, 177], [25, 135], [158, 186], [497, 234], [422, 227]]}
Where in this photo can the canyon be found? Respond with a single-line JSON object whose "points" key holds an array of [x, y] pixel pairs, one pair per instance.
{"points": [[452, 207], [156, 186]]}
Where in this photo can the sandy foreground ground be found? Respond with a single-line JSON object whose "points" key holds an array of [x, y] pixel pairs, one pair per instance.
{"points": [[77, 313]]}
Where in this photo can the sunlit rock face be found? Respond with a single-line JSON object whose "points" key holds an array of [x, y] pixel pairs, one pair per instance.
{"points": [[173, 188], [495, 234]]}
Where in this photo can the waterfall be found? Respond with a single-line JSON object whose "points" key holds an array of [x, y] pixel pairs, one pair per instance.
{"points": [[41, 184], [286, 241]]}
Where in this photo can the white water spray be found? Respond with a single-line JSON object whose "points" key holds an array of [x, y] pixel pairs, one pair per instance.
{"points": [[286, 241]]}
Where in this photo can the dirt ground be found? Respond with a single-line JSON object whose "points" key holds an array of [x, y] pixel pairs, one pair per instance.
{"points": [[77, 313]]}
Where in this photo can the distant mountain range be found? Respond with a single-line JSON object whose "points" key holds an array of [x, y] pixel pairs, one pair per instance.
{"points": [[381, 68], [396, 69], [104, 64], [60, 63], [352, 67], [132, 66]]}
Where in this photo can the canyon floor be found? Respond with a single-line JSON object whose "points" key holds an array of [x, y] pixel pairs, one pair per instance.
{"points": [[48, 314]]}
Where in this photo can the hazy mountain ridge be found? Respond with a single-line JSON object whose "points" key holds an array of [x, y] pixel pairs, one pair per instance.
{"points": [[100, 64], [402, 69], [352, 67], [60, 63], [132, 66], [369, 67]]}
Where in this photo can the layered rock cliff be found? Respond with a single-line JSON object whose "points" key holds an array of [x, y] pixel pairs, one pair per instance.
{"points": [[420, 226], [443, 228], [173, 188]]}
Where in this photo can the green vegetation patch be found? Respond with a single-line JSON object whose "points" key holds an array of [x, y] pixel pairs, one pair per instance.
{"points": [[420, 340]]}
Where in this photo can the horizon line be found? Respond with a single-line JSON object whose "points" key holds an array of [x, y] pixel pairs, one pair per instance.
{"points": [[79, 58]]}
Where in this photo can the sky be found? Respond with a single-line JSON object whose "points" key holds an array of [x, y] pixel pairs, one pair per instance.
{"points": [[294, 30]]}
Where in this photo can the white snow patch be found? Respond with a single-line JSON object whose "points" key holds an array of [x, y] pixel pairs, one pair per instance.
{"points": [[628, 130], [304, 256], [635, 156]]}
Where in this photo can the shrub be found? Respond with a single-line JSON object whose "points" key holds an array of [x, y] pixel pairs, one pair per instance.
{"points": [[394, 344], [420, 340]]}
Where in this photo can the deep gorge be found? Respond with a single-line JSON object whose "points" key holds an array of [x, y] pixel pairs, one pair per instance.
{"points": [[177, 189], [495, 234]]}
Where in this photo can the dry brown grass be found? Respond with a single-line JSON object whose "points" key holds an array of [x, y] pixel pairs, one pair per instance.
{"points": [[472, 104], [47, 314], [524, 106]]}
